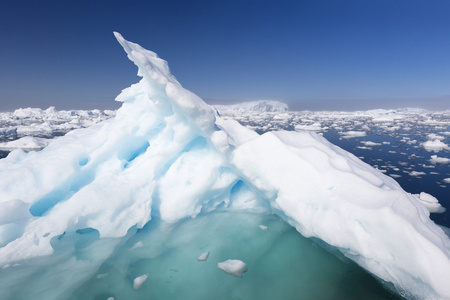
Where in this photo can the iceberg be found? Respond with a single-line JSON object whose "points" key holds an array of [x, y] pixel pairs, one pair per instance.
{"points": [[169, 156], [255, 106]]}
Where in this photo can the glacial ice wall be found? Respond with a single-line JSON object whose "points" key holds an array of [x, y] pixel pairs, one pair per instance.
{"points": [[169, 155]]}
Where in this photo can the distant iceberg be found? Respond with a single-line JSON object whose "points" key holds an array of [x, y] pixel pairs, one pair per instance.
{"points": [[168, 155], [256, 106]]}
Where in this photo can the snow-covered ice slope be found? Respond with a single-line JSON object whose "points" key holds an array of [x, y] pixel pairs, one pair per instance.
{"points": [[169, 155]]}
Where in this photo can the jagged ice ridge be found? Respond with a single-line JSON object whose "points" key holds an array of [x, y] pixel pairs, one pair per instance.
{"points": [[169, 155]]}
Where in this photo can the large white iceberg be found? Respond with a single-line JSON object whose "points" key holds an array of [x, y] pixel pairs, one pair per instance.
{"points": [[168, 155], [256, 106]]}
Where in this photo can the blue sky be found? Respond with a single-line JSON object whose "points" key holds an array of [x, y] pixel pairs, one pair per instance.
{"points": [[313, 54]]}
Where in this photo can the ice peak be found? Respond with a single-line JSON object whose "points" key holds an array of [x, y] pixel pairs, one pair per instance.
{"points": [[159, 84]]}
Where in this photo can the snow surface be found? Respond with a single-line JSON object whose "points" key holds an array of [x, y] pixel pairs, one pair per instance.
{"points": [[169, 155]]}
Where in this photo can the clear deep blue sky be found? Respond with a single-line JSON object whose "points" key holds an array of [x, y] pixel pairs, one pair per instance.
{"points": [[312, 54]]}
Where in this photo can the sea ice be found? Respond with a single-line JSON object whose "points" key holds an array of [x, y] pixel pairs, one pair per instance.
{"points": [[370, 143], [434, 145], [439, 160], [431, 203], [139, 281], [353, 133], [233, 267], [204, 256], [168, 156], [26, 143], [263, 227]]}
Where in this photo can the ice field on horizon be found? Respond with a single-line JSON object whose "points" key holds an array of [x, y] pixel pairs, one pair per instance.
{"points": [[129, 204]]}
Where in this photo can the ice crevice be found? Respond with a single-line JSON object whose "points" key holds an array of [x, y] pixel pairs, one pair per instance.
{"points": [[168, 155]]}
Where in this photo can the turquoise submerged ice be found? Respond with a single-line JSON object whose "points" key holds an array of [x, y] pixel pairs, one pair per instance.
{"points": [[168, 157]]}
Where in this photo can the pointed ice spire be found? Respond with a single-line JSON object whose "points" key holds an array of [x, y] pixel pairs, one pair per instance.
{"points": [[164, 86]]}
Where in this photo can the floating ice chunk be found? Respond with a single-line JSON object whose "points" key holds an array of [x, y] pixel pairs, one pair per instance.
{"points": [[434, 145], [395, 175], [233, 267], [439, 160], [370, 143], [263, 227], [204, 256], [26, 143], [430, 202], [417, 173], [312, 127], [433, 136], [352, 134], [446, 180], [139, 281], [110, 298]]}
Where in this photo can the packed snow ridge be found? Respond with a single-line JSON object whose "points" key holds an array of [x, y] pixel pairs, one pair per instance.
{"points": [[169, 155]]}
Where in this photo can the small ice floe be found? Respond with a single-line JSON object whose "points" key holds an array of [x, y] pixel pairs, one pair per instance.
{"points": [[309, 127], [203, 256], [433, 136], [100, 276], [434, 145], [370, 143], [263, 227], [27, 143], [352, 134], [430, 202], [233, 267], [447, 180], [137, 245], [110, 298], [439, 160], [417, 173], [395, 175], [139, 281]]}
